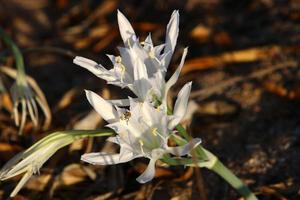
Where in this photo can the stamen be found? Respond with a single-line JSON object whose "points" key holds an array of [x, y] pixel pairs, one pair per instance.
{"points": [[123, 69], [125, 116], [151, 54], [158, 108], [154, 131], [118, 59], [141, 146]]}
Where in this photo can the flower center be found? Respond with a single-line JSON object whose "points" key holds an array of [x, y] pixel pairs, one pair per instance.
{"points": [[141, 146], [126, 116], [155, 98], [151, 141], [151, 54]]}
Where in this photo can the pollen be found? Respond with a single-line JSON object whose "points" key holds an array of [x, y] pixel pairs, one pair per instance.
{"points": [[141, 142], [141, 146], [123, 69], [118, 59], [151, 54], [154, 131]]}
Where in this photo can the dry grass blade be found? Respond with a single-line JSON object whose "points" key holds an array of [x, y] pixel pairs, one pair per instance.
{"points": [[241, 56], [206, 92]]}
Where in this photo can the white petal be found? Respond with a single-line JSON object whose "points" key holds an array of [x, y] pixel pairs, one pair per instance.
{"points": [[84, 61], [36, 160], [21, 183], [115, 140], [93, 67], [175, 76], [180, 105], [126, 151], [127, 59], [148, 40], [158, 49], [103, 107], [149, 173], [141, 82], [112, 58], [125, 140], [125, 28], [102, 158], [171, 36], [120, 102], [148, 44], [185, 149]]}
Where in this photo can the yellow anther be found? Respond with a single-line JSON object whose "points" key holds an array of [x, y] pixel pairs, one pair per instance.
{"points": [[158, 108], [142, 43], [141, 142], [123, 69], [151, 54], [154, 131], [141, 145], [118, 59]]}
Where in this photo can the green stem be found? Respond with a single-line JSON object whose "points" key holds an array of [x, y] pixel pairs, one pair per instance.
{"points": [[17, 54], [234, 181], [215, 165], [211, 162]]}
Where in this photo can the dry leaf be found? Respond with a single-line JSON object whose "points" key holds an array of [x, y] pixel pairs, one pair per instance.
{"points": [[38, 183], [75, 173], [275, 88], [201, 33], [6, 102], [222, 38], [67, 99], [7, 150], [104, 42], [241, 56]]}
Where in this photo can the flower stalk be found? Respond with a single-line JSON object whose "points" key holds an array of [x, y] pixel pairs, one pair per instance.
{"points": [[233, 180], [205, 158]]}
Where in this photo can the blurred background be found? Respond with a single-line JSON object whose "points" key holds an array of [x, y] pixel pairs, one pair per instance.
{"points": [[245, 104]]}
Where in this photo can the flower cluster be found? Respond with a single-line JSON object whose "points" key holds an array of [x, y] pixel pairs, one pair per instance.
{"points": [[142, 124]]}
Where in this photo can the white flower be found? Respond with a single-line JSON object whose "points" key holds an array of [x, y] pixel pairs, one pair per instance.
{"points": [[143, 131], [141, 66]]}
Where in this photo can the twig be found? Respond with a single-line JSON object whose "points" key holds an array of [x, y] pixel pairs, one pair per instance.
{"points": [[206, 92]]}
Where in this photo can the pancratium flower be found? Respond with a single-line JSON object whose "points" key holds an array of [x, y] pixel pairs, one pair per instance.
{"points": [[141, 66], [142, 131]]}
